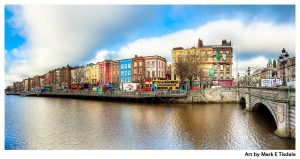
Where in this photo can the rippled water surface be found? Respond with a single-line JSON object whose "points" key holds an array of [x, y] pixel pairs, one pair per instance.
{"points": [[57, 123]]}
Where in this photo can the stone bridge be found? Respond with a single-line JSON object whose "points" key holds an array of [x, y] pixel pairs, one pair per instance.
{"points": [[279, 101]]}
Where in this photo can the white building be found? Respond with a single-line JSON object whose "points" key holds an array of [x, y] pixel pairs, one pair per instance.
{"points": [[155, 67]]}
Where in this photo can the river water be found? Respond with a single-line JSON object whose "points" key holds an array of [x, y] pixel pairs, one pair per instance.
{"points": [[58, 123]]}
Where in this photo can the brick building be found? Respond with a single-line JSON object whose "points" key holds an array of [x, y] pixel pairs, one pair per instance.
{"points": [[138, 69]]}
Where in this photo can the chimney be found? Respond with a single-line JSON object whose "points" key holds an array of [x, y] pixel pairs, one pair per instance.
{"points": [[200, 43]]}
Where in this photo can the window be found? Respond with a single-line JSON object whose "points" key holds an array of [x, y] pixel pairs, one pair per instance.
{"points": [[153, 73], [216, 76], [140, 63], [216, 67], [122, 73], [129, 79], [129, 73], [135, 64], [224, 57], [135, 71], [152, 64], [122, 79], [227, 68], [221, 76], [227, 76], [125, 65], [125, 73], [159, 64], [129, 65], [122, 66], [140, 71], [158, 73], [221, 67], [148, 64], [148, 73]]}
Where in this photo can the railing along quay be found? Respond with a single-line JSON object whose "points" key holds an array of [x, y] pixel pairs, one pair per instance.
{"points": [[117, 94]]}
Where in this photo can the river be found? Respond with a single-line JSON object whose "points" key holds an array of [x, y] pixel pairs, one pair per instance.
{"points": [[58, 123]]}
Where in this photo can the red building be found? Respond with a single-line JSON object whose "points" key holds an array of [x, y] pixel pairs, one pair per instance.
{"points": [[49, 79], [35, 83], [104, 72]]}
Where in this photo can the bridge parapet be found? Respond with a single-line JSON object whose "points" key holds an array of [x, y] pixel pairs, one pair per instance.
{"points": [[281, 95]]}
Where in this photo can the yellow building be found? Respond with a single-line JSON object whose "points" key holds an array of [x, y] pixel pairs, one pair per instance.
{"points": [[93, 73], [180, 53]]}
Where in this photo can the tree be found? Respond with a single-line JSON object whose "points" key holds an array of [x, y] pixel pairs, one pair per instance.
{"points": [[187, 67]]}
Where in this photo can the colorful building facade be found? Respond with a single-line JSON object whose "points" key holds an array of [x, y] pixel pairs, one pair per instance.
{"points": [[35, 83], [115, 72], [155, 67], [93, 73], [78, 76], [138, 69], [104, 72], [125, 70]]}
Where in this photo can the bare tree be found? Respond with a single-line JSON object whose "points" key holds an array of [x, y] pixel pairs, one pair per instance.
{"points": [[187, 67]]}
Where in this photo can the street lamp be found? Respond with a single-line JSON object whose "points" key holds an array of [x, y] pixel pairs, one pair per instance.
{"points": [[238, 80], [283, 59], [248, 73]]}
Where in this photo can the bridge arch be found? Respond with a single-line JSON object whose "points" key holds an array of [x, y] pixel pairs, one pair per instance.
{"points": [[242, 102], [263, 104]]}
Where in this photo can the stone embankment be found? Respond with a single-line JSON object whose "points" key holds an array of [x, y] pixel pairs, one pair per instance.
{"points": [[211, 95]]}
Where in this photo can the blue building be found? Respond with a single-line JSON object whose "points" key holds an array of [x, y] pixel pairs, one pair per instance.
{"points": [[125, 70]]}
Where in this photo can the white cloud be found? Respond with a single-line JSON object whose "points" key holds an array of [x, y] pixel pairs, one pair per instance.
{"points": [[60, 35], [254, 63], [100, 56], [257, 38]]}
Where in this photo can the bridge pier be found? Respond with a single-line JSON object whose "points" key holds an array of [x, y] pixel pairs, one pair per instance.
{"points": [[282, 120], [247, 96]]}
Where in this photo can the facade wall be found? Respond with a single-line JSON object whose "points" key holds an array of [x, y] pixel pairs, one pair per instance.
{"points": [[86, 70], [42, 78], [287, 70], [138, 69], [49, 79], [155, 67], [104, 72], [65, 74], [35, 83], [169, 72], [125, 70], [115, 72], [77, 76], [93, 73], [211, 68]]}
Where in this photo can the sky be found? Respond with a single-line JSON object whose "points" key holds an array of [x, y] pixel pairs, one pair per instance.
{"points": [[42, 38]]}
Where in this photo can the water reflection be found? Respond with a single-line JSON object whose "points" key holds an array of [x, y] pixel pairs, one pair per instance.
{"points": [[55, 123]]}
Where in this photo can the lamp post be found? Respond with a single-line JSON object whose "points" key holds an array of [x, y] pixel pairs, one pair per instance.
{"points": [[238, 80], [248, 73], [283, 59]]}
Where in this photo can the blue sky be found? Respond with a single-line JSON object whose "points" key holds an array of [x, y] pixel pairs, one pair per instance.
{"points": [[47, 37]]}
